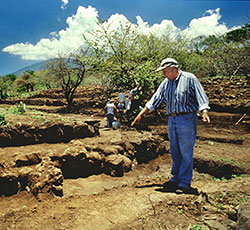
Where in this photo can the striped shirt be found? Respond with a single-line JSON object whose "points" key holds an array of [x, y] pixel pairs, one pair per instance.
{"points": [[184, 94]]}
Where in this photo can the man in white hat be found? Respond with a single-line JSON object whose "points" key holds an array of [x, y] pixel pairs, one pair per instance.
{"points": [[184, 96]]}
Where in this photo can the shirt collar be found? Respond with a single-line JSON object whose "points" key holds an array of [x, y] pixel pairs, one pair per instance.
{"points": [[176, 79]]}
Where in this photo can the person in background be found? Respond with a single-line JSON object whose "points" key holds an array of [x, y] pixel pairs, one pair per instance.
{"points": [[110, 106], [132, 105], [132, 93], [122, 96], [184, 96], [121, 107], [129, 103]]}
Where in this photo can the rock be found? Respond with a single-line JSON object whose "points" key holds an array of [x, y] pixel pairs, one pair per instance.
{"points": [[163, 147], [28, 159], [116, 139], [202, 199], [25, 171], [34, 157], [243, 222], [93, 122], [136, 140], [119, 148], [93, 155], [127, 163], [210, 208], [77, 142], [215, 225], [114, 159], [110, 150], [21, 159], [117, 164], [91, 129], [75, 151], [128, 146], [205, 227], [113, 149], [44, 177], [57, 190]]}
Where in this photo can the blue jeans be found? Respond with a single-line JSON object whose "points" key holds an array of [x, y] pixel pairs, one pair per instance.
{"points": [[182, 134], [110, 119]]}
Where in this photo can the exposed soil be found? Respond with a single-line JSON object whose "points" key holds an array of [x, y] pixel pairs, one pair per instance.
{"points": [[67, 171]]}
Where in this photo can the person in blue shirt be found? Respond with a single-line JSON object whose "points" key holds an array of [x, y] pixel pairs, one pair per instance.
{"points": [[122, 96], [184, 96], [121, 107]]}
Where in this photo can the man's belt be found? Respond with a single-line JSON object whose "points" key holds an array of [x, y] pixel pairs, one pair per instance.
{"points": [[177, 114]]}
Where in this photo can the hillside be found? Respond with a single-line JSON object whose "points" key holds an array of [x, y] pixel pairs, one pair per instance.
{"points": [[35, 67]]}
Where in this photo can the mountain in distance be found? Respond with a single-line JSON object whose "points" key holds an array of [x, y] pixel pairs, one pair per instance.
{"points": [[35, 67]]}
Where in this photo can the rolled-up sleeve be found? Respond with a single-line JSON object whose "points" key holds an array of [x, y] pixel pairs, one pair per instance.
{"points": [[158, 97]]}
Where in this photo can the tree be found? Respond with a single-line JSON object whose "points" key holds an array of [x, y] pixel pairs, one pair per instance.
{"points": [[69, 73], [47, 80], [26, 81], [197, 44], [237, 42], [6, 84], [227, 55], [146, 78], [127, 57], [115, 52], [239, 35]]}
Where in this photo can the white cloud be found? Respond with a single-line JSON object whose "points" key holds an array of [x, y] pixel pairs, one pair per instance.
{"points": [[115, 22], [64, 3], [166, 27], [65, 41], [85, 21], [206, 25]]}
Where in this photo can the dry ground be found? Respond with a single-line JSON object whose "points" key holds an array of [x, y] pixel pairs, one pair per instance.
{"points": [[134, 201]]}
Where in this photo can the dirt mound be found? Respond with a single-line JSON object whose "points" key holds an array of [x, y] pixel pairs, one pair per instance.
{"points": [[225, 95], [112, 153], [59, 130], [67, 171], [228, 94]]}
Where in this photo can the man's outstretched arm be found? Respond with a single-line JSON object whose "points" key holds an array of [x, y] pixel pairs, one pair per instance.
{"points": [[139, 116]]}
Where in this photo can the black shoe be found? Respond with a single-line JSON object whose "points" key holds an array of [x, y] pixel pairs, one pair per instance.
{"points": [[190, 190], [169, 186]]}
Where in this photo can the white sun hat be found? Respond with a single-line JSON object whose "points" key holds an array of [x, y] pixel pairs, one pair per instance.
{"points": [[167, 62]]}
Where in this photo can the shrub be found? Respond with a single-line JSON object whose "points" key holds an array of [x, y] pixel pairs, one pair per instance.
{"points": [[2, 120]]}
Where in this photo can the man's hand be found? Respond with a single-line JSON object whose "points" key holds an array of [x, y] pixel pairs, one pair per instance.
{"points": [[139, 116], [205, 117], [136, 120]]}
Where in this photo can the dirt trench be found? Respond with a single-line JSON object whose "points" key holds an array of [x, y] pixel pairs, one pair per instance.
{"points": [[113, 180], [87, 153]]}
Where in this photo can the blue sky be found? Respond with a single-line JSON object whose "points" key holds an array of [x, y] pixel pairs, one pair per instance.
{"points": [[35, 30]]}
